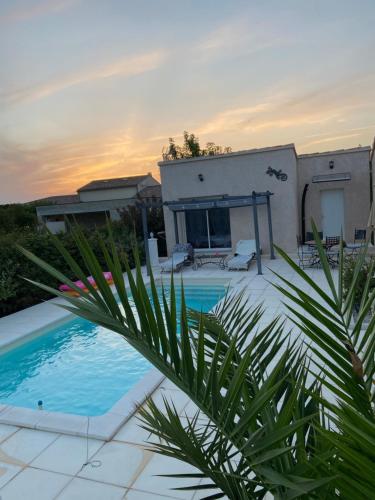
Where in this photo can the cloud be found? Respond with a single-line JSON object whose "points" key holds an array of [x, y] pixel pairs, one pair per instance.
{"points": [[31, 9], [238, 36], [232, 119], [61, 168], [348, 131], [329, 139], [282, 109], [124, 67]]}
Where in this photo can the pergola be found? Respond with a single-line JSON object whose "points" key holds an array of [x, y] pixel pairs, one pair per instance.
{"points": [[253, 200]]}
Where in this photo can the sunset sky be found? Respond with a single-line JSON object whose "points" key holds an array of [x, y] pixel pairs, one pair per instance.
{"points": [[93, 88]]}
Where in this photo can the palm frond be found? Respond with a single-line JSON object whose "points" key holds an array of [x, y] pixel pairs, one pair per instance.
{"points": [[258, 411]]}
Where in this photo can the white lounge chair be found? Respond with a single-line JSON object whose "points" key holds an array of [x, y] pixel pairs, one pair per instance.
{"points": [[244, 254], [181, 255]]}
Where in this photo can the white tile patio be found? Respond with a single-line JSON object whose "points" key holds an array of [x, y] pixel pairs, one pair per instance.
{"points": [[119, 464], [27, 444], [41, 465], [6, 431], [34, 484], [7, 472], [67, 454], [80, 489], [151, 479], [144, 495], [132, 433]]}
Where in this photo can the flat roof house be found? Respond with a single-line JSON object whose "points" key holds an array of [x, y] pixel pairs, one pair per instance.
{"points": [[97, 200], [339, 191], [332, 187]]}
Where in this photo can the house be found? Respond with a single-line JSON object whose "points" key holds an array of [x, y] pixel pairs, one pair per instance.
{"points": [[339, 190], [207, 199], [97, 200]]}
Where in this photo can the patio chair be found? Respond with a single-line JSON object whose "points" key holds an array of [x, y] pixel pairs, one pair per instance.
{"points": [[307, 255], [244, 254], [359, 241], [310, 235], [332, 249], [182, 254]]}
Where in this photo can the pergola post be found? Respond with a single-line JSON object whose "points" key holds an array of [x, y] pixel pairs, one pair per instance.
{"points": [[270, 232], [145, 237], [175, 227], [256, 230]]}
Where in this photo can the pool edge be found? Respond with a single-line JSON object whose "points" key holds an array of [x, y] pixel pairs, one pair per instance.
{"points": [[102, 427]]}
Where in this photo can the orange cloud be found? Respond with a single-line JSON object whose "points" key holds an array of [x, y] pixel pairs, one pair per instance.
{"points": [[63, 168]]}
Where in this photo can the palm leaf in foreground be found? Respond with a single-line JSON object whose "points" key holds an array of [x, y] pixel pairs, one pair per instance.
{"points": [[342, 350], [250, 384]]}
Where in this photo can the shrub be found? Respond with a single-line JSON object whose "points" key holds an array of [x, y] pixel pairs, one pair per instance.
{"points": [[350, 263], [17, 216], [8, 287], [16, 293]]}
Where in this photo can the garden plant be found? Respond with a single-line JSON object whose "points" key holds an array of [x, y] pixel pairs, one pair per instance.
{"points": [[280, 411]]}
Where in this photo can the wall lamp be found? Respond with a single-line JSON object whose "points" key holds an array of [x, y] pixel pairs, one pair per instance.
{"points": [[200, 177], [331, 164]]}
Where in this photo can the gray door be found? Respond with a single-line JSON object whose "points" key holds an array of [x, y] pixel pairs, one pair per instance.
{"points": [[332, 212]]}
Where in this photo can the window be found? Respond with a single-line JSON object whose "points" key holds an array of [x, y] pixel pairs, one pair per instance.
{"points": [[208, 228]]}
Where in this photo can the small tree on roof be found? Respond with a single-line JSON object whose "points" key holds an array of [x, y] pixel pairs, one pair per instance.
{"points": [[191, 148]]}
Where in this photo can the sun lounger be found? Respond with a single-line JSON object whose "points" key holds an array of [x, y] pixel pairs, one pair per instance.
{"points": [[244, 254], [182, 254]]}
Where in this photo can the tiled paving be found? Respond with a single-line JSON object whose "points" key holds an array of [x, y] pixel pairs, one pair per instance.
{"points": [[41, 465]]}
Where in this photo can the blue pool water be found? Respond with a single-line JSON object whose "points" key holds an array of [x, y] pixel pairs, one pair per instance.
{"points": [[79, 367]]}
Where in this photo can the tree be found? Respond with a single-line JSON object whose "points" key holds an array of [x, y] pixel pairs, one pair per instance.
{"points": [[191, 145], [191, 148], [274, 413], [17, 216]]}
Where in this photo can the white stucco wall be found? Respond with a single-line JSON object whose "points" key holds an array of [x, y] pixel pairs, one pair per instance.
{"points": [[237, 174], [56, 226], [356, 191]]}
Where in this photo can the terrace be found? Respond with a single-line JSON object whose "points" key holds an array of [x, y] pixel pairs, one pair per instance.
{"points": [[38, 461]]}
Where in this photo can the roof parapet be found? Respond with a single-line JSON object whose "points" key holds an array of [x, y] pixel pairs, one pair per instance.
{"points": [[228, 155], [359, 149]]}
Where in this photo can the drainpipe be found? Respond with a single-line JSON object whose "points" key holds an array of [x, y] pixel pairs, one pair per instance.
{"points": [[371, 185], [303, 213], [371, 181]]}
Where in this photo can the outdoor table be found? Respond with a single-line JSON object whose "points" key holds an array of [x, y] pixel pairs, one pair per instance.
{"points": [[327, 247], [312, 243], [218, 259]]}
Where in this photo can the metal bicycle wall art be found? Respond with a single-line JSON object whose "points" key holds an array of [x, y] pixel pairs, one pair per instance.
{"points": [[279, 174]]}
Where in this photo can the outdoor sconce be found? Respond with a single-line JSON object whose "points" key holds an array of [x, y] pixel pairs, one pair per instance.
{"points": [[331, 164], [200, 177]]}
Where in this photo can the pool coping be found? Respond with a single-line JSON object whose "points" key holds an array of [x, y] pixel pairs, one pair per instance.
{"points": [[104, 427]]}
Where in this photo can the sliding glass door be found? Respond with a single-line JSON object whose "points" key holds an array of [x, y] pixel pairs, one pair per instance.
{"points": [[196, 228], [208, 228]]}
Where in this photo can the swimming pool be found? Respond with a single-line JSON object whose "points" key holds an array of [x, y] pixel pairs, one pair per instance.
{"points": [[79, 367]]}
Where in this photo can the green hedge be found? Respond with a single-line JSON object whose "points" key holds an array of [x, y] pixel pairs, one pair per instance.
{"points": [[16, 293], [17, 216], [349, 268]]}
